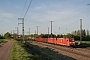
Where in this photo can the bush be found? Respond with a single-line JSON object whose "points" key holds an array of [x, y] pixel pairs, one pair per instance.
{"points": [[7, 35]]}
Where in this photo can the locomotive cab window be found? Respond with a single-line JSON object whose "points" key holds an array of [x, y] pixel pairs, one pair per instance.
{"points": [[71, 40]]}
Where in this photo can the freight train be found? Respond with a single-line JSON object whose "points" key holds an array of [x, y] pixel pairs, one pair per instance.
{"points": [[59, 41]]}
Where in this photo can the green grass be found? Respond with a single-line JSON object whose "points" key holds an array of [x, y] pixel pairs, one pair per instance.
{"points": [[49, 53], [87, 42], [22, 51], [83, 44], [19, 53], [2, 41]]}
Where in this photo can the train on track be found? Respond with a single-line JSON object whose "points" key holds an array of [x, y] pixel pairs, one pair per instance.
{"points": [[59, 41]]}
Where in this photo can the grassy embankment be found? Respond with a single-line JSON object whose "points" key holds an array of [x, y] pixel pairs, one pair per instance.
{"points": [[50, 53], [2, 41], [22, 51], [83, 44]]}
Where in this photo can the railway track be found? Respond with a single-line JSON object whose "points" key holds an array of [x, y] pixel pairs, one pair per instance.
{"points": [[88, 48], [81, 52], [83, 49], [78, 52]]}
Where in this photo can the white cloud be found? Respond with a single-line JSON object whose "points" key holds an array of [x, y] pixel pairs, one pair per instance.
{"points": [[7, 15], [62, 17], [38, 8], [7, 20], [51, 15], [45, 13]]}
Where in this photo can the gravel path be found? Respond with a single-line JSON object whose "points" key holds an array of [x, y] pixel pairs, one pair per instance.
{"points": [[5, 50]]}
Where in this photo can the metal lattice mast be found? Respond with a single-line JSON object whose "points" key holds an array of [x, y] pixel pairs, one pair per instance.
{"points": [[80, 31], [51, 28], [22, 26]]}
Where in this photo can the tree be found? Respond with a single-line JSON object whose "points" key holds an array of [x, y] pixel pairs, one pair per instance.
{"points": [[70, 36], [60, 36], [74, 32], [83, 33], [7, 35], [1, 37], [87, 32], [32, 35], [78, 32]]}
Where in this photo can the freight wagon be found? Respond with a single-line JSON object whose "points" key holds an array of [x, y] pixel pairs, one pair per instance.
{"points": [[59, 41]]}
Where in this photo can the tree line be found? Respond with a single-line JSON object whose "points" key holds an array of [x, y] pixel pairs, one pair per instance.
{"points": [[75, 34]]}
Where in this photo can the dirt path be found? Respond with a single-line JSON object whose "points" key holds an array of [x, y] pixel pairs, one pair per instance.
{"points": [[5, 50]]}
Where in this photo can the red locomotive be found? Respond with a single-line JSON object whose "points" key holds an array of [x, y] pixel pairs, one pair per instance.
{"points": [[60, 41]]}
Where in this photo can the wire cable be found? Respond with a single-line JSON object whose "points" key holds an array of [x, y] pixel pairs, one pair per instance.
{"points": [[28, 8], [23, 8]]}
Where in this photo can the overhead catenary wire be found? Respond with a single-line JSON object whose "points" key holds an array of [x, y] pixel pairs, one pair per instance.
{"points": [[28, 8], [23, 8], [72, 23], [81, 9], [73, 15]]}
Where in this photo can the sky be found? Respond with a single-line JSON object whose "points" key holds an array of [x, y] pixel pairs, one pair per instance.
{"points": [[65, 14]]}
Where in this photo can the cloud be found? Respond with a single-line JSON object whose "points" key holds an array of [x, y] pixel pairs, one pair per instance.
{"points": [[63, 17], [51, 15], [7, 20], [7, 15], [53, 12], [38, 8]]}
